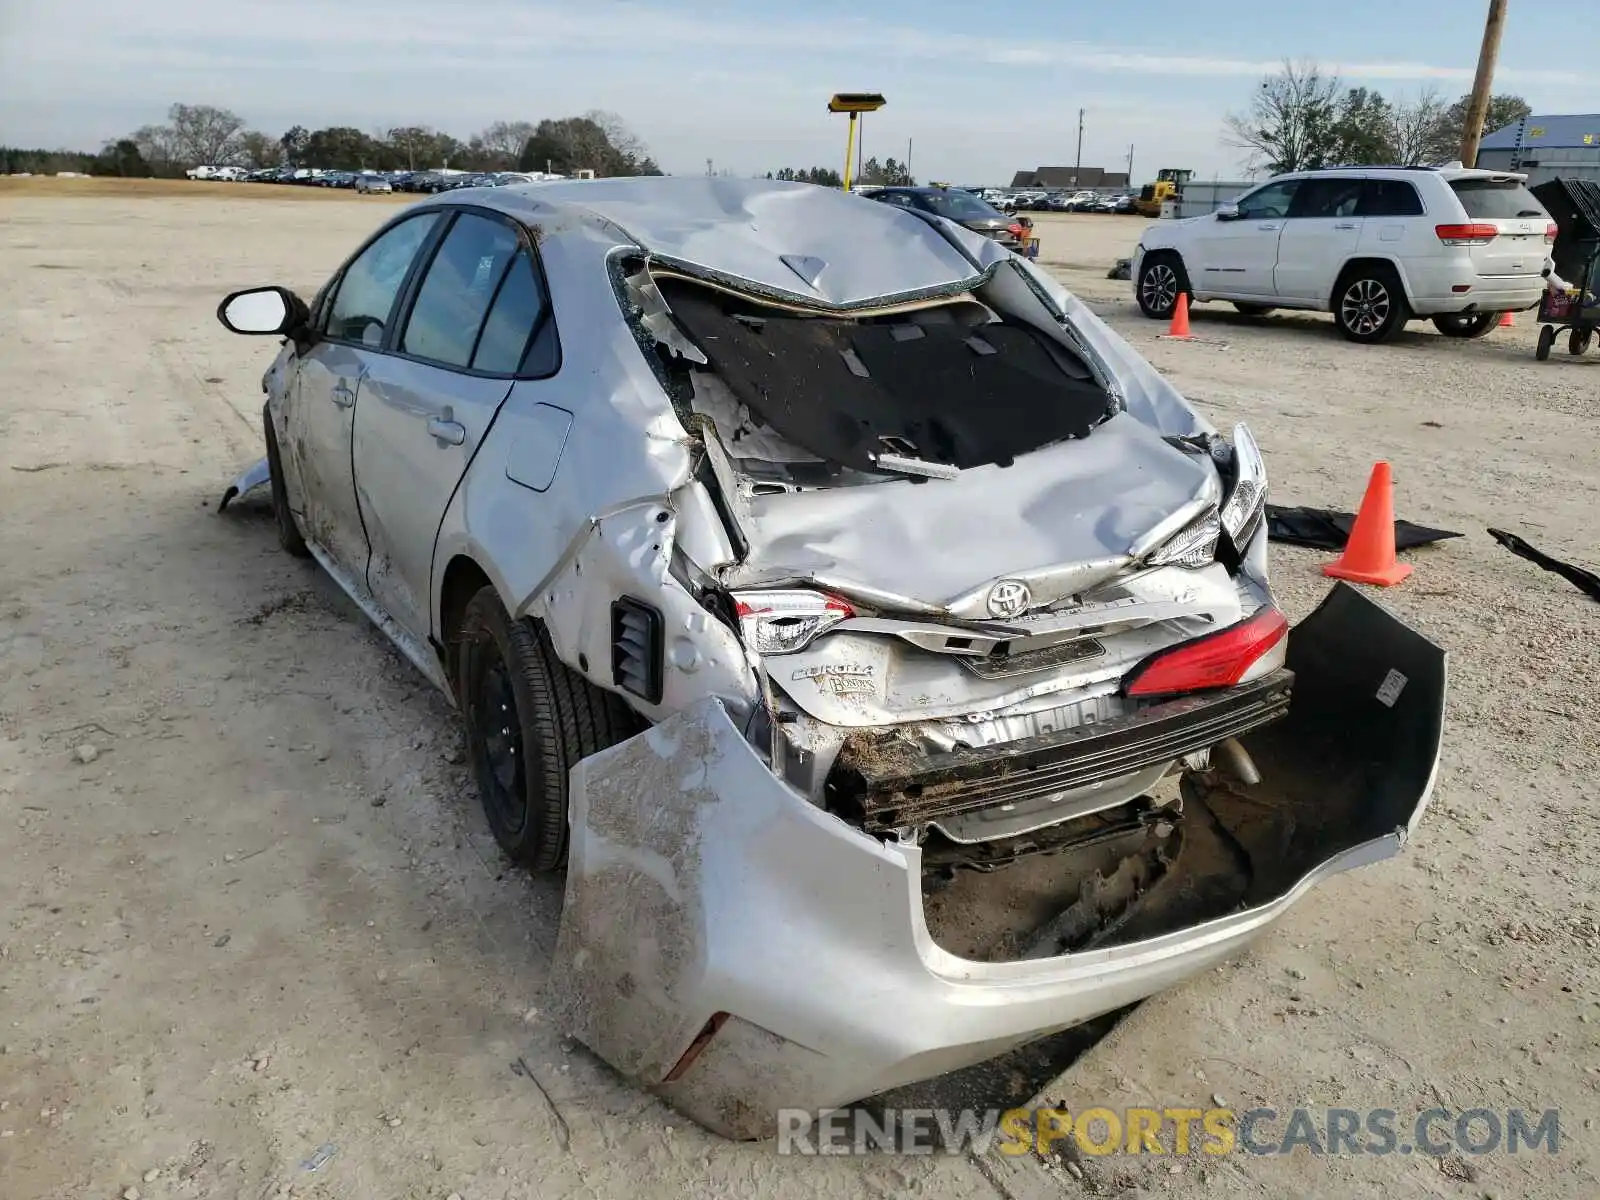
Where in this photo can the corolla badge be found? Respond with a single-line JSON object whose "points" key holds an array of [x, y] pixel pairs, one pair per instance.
{"points": [[1009, 597]]}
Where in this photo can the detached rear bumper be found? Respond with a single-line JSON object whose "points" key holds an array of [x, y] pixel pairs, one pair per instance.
{"points": [[739, 950]]}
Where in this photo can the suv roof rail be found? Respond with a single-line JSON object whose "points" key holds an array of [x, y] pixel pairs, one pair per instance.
{"points": [[1378, 167]]}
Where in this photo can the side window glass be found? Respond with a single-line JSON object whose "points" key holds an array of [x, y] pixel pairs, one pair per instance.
{"points": [[1389, 198], [517, 312], [1333, 197], [361, 307], [1269, 202], [457, 290]]}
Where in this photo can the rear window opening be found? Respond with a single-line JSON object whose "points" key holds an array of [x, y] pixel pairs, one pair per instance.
{"points": [[1496, 199], [821, 400]]}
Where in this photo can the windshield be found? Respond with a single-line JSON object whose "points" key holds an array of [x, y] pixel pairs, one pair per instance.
{"points": [[960, 206], [1496, 199]]}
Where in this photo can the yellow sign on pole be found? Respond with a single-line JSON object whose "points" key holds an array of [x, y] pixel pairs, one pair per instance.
{"points": [[854, 103]]}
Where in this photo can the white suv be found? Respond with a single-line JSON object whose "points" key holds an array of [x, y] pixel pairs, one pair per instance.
{"points": [[1375, 246]]}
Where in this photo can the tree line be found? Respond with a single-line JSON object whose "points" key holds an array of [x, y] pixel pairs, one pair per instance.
{"points": [[888, 173], [1303, 118], [199, 134]]}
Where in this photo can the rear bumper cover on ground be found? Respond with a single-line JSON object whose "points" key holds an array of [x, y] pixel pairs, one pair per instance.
{"points": [[738, 950]]}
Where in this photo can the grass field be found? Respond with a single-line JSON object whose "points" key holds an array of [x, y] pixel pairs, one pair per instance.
{"points": [[133, 189]]}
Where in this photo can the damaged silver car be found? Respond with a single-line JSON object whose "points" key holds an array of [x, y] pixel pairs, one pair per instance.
{"points": [[883, 647]]}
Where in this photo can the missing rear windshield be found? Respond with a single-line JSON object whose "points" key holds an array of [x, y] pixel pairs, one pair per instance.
{"points": [[817, 400], [1496, 199]]}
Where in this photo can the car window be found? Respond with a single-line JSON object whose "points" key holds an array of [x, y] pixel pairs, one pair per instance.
{"points": [[1389, 198], [517, 310], [1496, 199], [369, 285], [899, 199], [457, 290], [1273, 200], [957, 206], [1335, 196]]}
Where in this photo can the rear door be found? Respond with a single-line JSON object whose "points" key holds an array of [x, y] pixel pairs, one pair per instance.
{"points": [[476, 321], [1319, 236], [1519, 220], [1238, 257]]}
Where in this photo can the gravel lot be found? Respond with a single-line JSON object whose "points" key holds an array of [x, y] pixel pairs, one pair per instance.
{"points": [[250, 908]]}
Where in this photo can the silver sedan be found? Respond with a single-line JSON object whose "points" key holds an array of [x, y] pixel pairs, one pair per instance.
{"points": [[839, 601]]}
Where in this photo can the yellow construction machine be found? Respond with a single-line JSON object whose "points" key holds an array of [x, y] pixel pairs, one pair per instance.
{"points": [[1168, 185]]}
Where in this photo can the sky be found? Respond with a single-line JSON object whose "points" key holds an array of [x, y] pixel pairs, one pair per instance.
{"points": [[976, 91]]}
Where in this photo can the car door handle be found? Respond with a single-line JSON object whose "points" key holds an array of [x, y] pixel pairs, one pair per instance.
{"points": [[1267, 225], [1345, 225], [343, 395], [446, 430]]}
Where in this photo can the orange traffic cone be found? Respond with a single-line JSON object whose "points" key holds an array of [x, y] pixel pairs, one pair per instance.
{"points": [[1180, 318], [1369, 554], [1505, 321]]}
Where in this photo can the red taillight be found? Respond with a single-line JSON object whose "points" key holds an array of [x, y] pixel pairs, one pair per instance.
{"points": [[1475, 234], [1216, 660], [1550, 232]]}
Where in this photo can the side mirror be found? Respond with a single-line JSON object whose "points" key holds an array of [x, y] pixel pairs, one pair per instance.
{"points": [[263, 311], [1228, 212]]}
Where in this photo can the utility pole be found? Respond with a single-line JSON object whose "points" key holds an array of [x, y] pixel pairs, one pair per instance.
{"points": [[909, 177], [1077, 170], [1482, 82], [1130, 165]]}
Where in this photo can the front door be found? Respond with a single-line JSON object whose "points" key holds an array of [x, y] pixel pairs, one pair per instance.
{"points": [[1236, 257], [427, 404], [319, 420], [1321, 234]]}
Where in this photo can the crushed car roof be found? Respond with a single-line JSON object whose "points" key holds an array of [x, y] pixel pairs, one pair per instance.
{"points": [[814, 244]]}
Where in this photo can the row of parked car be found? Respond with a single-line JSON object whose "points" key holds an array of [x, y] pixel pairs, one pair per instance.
{"points": [[1063, 201], [436, 180]]}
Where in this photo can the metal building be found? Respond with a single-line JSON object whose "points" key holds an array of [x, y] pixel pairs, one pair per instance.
{"points": [[1545, 147]]}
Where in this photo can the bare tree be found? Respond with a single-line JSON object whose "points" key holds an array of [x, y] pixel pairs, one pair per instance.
{"points": [[156, 146], [203, 134], [628, 145], [257, 149], [1414, 125], [505, 139], [1292, 122]]}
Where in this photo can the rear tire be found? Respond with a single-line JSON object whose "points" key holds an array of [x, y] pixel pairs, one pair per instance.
{"points": [[1161, 279], [288, 532], [1547, 338], [1369, 305], [527, 718], [1253, 310], [1465, 325], [1578, 341]]}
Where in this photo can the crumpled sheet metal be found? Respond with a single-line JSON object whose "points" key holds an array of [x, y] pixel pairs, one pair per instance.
{"points": [[1077, 502], [744, 229]]}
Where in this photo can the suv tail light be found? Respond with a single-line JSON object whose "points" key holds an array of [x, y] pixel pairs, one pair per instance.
{"points": [[786, 622], [1475, 234], [1217, 660], [1550, 232]]}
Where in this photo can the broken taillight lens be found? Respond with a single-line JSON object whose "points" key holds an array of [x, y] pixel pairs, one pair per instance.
{"points": [[1217, 660], [785, 622]]}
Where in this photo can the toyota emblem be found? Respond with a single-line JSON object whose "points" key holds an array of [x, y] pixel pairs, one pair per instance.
{"points": [[1009, 597]]}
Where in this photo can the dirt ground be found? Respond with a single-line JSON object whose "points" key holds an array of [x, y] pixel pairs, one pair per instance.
{"points": [[250, 910]]}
